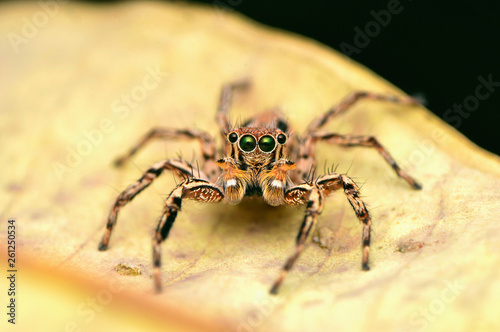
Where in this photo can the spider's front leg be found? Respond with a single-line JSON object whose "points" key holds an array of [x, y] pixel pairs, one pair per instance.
{"points": [[180, 167], [302, 194], [313, 195], [199, 190], [335, 181]]}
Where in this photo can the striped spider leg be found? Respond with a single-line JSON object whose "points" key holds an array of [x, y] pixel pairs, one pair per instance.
{"points": [[196, 189], [313, 194], [180, 167], [207, 146], [306, 159], [225, 101]]}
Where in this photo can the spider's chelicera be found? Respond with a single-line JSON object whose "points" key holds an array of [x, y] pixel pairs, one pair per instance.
{"points": [[261, 158]]}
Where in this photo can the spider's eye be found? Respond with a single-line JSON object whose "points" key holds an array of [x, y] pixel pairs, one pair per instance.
{"points": [[233, 137], [266, 143], [281, 139], [248, 143]]}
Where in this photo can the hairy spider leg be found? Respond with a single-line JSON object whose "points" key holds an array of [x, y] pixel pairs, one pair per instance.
{"points": [[313, 195], [206, 141], [225, 101], [350, 141], [180, 167], [302, 194], [346, 103], [306, 157], [195, 189]]}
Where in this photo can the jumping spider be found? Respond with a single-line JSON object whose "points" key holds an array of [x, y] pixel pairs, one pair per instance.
{"points": [[256, 163]]}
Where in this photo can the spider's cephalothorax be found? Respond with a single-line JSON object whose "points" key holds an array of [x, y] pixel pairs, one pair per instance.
{"points": [[256, 164]]}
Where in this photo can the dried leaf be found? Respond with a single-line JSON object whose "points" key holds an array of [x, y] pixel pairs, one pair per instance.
{"points": [[80, 87]]}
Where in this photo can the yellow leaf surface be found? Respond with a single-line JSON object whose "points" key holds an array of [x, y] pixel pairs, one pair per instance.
{"points": [[80, 84]]}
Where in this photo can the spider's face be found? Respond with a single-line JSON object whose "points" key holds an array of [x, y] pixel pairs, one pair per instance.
{"points": [[257, 146]]}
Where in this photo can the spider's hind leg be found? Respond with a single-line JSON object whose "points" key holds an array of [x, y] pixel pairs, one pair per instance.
{"points": [[271, 118], [225, 101], [335, 181]]}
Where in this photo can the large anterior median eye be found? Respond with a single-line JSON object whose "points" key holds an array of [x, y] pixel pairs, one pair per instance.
{"points": [[266, 143], [248, 143]]}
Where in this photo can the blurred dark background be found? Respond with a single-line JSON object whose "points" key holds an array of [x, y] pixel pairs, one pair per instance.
{"points": [[437, 49]]}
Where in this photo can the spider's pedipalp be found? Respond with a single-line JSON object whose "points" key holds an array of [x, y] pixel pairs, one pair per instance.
{"points": [[233, 180], [275, 182]]}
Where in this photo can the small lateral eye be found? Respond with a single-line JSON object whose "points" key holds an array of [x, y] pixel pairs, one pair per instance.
{"points": [[267, 143], [248, 143], [233, 137], [281, 139]]}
